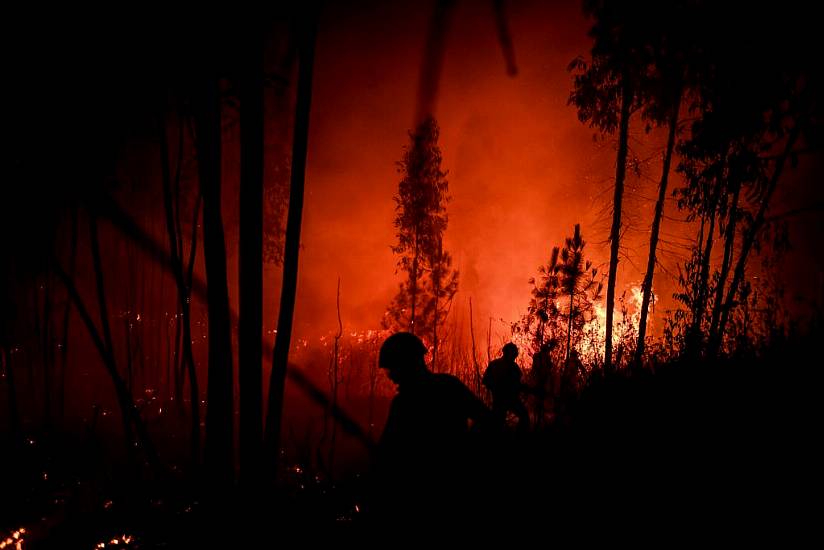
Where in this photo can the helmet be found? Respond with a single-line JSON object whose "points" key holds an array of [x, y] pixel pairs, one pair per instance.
{"points": [[401, 347], [510, 349]]}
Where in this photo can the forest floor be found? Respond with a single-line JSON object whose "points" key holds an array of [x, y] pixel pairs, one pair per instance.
{"points": [[701, 446]]}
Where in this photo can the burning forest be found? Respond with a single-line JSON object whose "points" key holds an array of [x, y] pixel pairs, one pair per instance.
{"points": [[351, 266]]}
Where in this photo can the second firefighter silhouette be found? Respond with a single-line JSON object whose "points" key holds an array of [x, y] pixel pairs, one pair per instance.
{"points": [[503, 380]]}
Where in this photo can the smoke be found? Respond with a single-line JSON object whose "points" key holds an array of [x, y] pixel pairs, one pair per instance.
{"points": [[522, 169]]}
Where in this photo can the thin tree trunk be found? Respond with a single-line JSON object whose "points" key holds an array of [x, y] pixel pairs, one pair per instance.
{"points": [[335, 358], [474, 354], [615, 232], [749, 239], [174, 369], [182, 318], [183, 326], [280, 353], [489, 341], [47, 353], [102, 303], [373, 386], [188, 354], [569, 324], [219, 414], [656, 229], [250, 262], [128, 411], [38, 329], [121, 388], [726, 264], [542, 324], [171, 347], [133, 306], [14, 411], [413, 283], [694, 337], [64, 349], [436, 283], [128, 336], [152, 248]]}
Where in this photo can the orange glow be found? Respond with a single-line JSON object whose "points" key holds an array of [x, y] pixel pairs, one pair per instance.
{"points": [[14, 540], [522, 168]]}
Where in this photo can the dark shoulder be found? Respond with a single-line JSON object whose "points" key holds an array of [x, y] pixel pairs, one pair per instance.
{"points": [[449, 383], [496, 363]]}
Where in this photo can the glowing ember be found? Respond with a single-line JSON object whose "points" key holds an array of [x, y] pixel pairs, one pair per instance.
{"points": [[116, 542], [15, 540]]}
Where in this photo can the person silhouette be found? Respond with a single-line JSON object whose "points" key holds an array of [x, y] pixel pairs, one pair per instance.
{"points": [[573, 376], [542, 381], [503, 380], [424, 449]]}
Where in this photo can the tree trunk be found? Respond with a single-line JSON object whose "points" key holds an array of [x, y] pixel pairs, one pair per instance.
{"points": [[47, 353], [174, 368], [474, 354], [171, 203], [656, 229], [14, 411], [188, 354], [615, 232], [569, 323], [128, 337], [335, 380], [64, 349], [694, 337], [108, 348], [219, 412], [436, 284], [749, 239], [413, 284], [726, 264], [250, 262], [280, 353], [129, 414]]}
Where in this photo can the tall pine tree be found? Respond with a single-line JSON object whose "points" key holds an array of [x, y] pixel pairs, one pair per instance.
{"points": [[423, 300]]}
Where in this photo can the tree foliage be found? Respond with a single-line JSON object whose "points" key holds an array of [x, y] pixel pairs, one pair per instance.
{"points": [[422, 302]]}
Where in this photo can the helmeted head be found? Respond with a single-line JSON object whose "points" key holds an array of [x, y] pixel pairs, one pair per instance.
{"points": [[510, 351], [402, 355]]}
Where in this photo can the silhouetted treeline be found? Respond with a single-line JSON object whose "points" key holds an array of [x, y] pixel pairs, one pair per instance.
{"points": [[738, 89], [116, 275]]}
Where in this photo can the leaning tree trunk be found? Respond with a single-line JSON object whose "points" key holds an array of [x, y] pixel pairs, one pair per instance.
{"points": [[250, 264], [121, 388], [694, 337], [129, 413], [726, 264], [615, 232], [64, 349], [749, 240], [280, 353], [656, 229], [219, 412], [188, 353]]}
